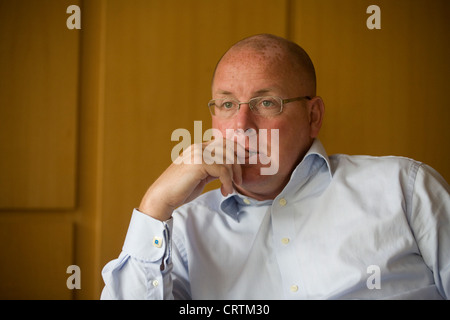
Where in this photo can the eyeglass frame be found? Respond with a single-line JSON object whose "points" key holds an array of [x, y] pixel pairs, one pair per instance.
{"points": [[283, 102]]}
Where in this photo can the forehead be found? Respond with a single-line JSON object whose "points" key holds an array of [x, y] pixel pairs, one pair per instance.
{"points": [[245, 58], [248, 70]]}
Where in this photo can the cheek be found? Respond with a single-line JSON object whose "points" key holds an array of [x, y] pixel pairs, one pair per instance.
{"points": [[293, 138], [221, 125]]}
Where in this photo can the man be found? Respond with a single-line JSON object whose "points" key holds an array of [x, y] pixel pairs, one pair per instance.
{"points": [[318, 227]]}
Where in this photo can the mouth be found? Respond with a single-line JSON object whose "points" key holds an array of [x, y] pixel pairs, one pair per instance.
{"points": [[246, 155], [250, 153], [248, 149]]}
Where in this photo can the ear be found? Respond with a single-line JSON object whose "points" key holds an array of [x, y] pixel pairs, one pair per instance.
{"points": [[316, 111]]}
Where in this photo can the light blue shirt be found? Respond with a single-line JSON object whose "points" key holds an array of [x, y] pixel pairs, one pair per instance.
{"points": [[344, 227]]}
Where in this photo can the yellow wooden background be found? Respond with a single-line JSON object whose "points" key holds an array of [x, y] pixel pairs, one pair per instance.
{"points": [[86, 115]]}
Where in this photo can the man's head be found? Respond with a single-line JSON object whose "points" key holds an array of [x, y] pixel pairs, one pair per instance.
{"points": [[266, 65], [269, 45]]}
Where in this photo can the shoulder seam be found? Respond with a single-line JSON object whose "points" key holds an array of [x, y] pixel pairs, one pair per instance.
{"points": [[412, 174]]}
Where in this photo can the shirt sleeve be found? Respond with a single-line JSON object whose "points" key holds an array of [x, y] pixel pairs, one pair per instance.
{"points": [[143, 268], [430, 221]]}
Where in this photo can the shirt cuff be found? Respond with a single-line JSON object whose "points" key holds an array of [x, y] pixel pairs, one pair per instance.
{"points": [[147, 239]]}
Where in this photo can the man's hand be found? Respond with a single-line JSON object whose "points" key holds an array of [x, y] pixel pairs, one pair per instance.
{"points": [[184, 180]]}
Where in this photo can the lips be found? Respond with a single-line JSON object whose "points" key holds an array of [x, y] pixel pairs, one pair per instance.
{"points": [[249, 151], [246, 155], [248, 146]]}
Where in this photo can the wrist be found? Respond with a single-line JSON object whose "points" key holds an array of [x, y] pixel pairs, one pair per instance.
{"points": [[155, 208]]}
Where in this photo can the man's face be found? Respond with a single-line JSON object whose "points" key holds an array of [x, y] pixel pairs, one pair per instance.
{"points": [[244, 75]]}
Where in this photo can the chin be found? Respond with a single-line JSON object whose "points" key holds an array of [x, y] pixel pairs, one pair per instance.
{"points": [[256, 185]]}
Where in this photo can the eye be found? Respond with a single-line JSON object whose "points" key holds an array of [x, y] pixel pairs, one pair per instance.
{"points": [[227, 105], [267, 103]]}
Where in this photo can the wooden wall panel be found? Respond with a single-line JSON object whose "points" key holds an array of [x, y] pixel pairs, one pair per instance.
{"points": [[39, 62], [35, 255], [385, 91], [88, 214], [38, 105]]}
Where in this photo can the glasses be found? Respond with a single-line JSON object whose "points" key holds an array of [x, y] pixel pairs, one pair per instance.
{"points": [[263, 106]]}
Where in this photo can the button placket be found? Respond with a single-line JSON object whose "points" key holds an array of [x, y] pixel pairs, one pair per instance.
{"points": [[283, 227]]}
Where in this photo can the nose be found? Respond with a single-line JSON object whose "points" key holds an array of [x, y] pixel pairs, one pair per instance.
{"points": [[245, 118]]}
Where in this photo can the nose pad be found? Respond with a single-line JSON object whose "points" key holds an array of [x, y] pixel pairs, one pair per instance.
{"points": [[245, 109]]}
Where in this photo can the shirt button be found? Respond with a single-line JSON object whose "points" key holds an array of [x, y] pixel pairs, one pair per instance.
{"points": [[294, 288], [155, 283], [246, 201], [282, 202], [285, 240]]}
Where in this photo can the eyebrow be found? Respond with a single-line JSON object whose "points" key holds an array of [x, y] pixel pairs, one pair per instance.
{"points": [[262, 91], [256, 93], [224, 92]]}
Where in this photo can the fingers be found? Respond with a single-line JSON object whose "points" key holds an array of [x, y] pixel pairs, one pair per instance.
{"points": [[227, 174], [186, 178], [222, 152], [237, 173], [215, 159], [226, 178]]}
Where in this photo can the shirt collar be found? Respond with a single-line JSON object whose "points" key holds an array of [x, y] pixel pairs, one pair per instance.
{"points": [[315, 159], [235, 203]]}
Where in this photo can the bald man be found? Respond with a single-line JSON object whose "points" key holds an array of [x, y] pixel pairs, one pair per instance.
{"points": [[317, 227]]}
